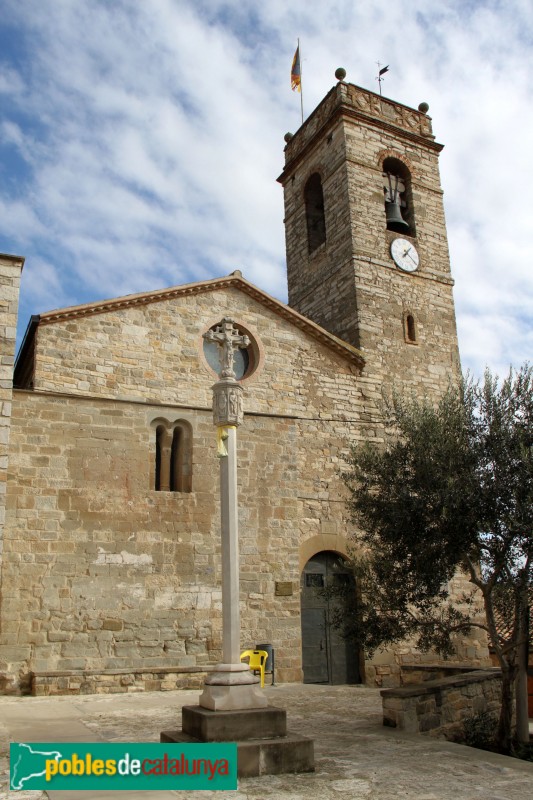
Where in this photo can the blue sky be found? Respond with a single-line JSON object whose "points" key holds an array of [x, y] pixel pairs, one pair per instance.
{"points": [[140, 142]]}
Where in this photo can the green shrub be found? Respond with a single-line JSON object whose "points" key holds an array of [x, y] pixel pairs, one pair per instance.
{"points": [[479, 730], [523, 751]]}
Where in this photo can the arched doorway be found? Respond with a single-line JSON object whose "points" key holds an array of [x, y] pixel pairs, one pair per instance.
{"points": [[326, 656]]}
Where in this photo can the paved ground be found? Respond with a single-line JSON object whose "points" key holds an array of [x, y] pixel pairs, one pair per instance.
{"points": [[356, 757]]}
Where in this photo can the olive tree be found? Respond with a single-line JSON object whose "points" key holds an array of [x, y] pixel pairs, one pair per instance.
{"points": [[450, 490]]}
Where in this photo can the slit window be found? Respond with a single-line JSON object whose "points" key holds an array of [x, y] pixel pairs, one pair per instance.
{"points": [[410, 328]]}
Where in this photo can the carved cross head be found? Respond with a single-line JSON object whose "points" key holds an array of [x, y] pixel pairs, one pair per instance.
{"points": [[228, 340]]}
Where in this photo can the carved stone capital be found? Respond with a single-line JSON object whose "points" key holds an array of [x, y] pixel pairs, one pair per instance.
{"points": [[227, 403]]}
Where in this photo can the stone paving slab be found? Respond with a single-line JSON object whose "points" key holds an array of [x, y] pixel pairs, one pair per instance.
{"points": [[355, 756]]}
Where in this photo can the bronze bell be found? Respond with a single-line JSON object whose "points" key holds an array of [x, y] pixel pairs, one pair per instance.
{"points": [[395, 221]]}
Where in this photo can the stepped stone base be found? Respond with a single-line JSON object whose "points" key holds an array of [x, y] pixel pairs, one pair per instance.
{"points": [[227, 726], [273, 752]]}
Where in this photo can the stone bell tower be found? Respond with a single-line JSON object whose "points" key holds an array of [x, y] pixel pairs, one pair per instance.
{"points": [[367, 252]]}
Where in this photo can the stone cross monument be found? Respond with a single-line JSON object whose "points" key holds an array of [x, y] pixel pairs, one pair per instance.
{"points": [[232, 685], [232, 707]]}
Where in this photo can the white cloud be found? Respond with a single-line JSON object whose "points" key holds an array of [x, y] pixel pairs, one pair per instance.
{"points": [[147, 138]]}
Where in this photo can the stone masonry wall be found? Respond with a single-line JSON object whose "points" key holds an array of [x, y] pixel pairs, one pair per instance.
{"points": [[10, 272], [102, 570], [439, 707]]}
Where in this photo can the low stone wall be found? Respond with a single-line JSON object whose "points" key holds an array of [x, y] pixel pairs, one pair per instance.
{"points": [[438, 707], [117, 681]]}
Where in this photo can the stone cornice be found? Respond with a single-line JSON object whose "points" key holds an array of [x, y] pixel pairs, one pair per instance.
{"points": [[341, 103], [16, 261]]}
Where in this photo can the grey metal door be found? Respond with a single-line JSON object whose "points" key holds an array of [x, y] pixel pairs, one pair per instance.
{"points": [[314, 645], [327, 657]]}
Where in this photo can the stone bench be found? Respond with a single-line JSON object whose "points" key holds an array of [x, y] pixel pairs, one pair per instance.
{"points": [[116, 681]]}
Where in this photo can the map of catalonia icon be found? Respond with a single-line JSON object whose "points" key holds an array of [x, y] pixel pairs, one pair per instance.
{"points": [[29, 764]]}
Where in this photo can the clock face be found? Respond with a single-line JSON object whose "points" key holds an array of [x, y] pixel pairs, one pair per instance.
{"points": [[404, 254]]}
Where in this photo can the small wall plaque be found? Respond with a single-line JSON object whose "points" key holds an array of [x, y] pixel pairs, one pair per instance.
{"points": [[283, 588]]}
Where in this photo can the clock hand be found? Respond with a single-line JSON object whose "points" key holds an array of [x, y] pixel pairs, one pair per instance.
{"points": [[407, 252]]}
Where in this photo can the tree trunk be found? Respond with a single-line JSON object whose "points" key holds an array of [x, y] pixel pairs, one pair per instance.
{"points": [[505, 723], [522, 721], [522, 717]]}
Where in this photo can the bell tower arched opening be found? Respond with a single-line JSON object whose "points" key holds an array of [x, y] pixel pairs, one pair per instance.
{"points": [[399, 211]]}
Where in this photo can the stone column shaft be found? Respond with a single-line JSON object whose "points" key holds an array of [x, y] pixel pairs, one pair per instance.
{"points": [[166, 451], [231, 624]]}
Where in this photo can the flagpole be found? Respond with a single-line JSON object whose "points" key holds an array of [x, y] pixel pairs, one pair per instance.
{"points": [[380, 73], [296, 77], [301, 83]]}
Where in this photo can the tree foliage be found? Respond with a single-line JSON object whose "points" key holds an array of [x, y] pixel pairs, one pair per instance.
{"points": [[451, 489]]}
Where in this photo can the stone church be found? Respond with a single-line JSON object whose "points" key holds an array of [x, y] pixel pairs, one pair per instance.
{"points": [[110, 550]]}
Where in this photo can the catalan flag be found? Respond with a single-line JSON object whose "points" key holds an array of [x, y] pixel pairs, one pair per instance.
{"points": [[296, 72]]}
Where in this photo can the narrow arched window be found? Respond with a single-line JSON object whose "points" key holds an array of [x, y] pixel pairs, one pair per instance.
{"points": [[181, 459], [175, 460], [410, 328], [157, 470], [163, 446], [314, 212], [399, 212], [173, 456]]}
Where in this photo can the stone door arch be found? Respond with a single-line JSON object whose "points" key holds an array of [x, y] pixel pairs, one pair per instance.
{"points": [[326, 656]]}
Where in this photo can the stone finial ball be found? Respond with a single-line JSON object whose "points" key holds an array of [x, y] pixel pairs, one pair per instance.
{"points": [[424, 108], [340, 73], [288, 137]]}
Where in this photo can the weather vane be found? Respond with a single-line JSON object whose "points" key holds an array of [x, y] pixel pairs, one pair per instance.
{"points": [[382, 71]]}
